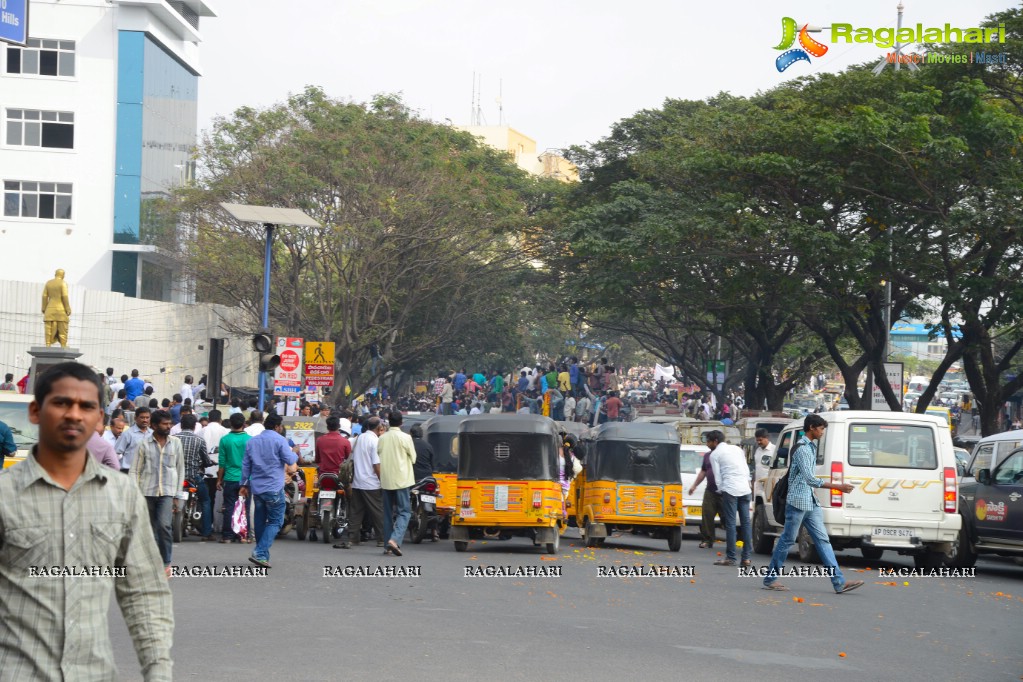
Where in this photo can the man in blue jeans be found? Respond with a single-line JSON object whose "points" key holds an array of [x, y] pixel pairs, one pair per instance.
{"points": [[731, 473], [268, 459], [802, 509]]}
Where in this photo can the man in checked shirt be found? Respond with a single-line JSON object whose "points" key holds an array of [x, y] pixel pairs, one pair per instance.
{"points": [[802, 509], [60, 507]]}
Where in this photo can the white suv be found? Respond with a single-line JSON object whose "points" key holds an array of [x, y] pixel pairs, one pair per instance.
{"points": [[906, 490]]}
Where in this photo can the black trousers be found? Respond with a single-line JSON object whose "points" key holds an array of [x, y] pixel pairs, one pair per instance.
{"points": [[363, 501]]}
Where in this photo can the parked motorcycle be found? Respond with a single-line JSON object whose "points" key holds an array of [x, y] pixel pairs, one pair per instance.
{"points": [[425, 519], [187, 518], [328, 511]]}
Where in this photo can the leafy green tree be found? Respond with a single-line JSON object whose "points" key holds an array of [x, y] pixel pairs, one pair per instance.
{"points": [[419, 246]]}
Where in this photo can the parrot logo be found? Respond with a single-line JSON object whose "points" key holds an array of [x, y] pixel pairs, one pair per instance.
{"points": [[808, 46]]}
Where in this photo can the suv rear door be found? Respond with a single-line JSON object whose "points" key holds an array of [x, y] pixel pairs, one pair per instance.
{"points": [[896, 468]]}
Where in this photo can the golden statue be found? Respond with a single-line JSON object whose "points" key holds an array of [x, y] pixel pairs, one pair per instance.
{"points": [[56, 310]]}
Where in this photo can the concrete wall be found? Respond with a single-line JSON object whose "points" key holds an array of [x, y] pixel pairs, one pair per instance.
{"points": [[161, 340]]}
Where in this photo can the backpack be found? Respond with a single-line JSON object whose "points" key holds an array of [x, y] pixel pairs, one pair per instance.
{"points": [[346, 474], [779, 498]]}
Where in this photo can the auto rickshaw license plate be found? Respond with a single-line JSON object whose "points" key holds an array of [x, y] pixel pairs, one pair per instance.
{"points": [[694, 511], [500, 498], [328, 494], [428, 498]]}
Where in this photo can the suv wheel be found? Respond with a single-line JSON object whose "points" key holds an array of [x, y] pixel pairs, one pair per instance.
{"points": [[871, 553], [762, 543], [962, 554], [928, 559], [807, 550]]}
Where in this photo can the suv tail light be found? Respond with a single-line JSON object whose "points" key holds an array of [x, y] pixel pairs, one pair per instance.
{"points": [[837, 478], [466, 495], [950, 489], [537, 499]]}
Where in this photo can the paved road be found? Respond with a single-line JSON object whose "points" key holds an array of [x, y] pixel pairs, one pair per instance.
{"points": [[296, 624]]}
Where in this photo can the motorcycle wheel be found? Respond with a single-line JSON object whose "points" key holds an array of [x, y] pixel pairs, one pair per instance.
{"points": [[326, 525], [177, 525], [422, 525], [300, 525]]}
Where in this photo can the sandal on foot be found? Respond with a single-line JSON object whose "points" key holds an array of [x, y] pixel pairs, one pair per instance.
{"points": [[393, 548], [850, 586], [725, 562], [776, 587]]}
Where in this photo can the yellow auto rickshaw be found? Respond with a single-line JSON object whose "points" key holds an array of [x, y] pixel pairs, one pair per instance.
{"points": [[440, 431], [508, 479], [630, 481]]}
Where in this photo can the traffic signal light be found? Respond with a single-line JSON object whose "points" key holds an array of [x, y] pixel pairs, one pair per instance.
{"points": [[263, 343]]}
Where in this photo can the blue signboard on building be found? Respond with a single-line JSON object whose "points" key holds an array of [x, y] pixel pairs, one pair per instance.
{"points": [[14, 21]]}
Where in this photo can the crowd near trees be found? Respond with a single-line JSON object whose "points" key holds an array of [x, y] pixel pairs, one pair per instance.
{"points": [[762, 230]]}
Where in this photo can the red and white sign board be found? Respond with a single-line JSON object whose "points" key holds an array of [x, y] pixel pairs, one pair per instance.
{"points": [[288, 375]]}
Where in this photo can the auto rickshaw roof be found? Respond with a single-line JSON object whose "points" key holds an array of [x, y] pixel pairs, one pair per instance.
{"points": [[443, 423], [646, 432], [509, 423]]}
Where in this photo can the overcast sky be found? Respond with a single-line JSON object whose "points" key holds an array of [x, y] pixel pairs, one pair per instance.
{"points": [[567, 69]]}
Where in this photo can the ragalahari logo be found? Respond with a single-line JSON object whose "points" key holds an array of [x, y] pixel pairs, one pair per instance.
{"points": [[808, 46]]}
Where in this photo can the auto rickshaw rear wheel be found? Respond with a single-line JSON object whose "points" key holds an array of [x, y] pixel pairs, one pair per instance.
{"points": [[675, 539], [552, 547]]}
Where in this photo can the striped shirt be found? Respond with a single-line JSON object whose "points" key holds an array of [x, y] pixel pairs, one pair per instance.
{"points": [[55, 627], [159, 471], [801, 477]]}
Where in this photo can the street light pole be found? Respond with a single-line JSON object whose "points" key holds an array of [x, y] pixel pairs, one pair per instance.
{"points": [[269, 217], [266, 303]]}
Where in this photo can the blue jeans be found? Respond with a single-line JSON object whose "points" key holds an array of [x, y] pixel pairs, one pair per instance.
{"points": [[161, 510], [558, 410], [814, 522], [269, 519], [205, 507], [728, 509], [230, 497], [396, 500]]}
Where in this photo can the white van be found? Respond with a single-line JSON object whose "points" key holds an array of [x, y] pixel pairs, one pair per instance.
{"points": [[906, 491], [691, 462]]}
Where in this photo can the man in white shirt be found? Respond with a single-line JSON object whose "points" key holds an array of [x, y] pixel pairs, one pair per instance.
{"points": [[570, 407], [255, 426], [212, 433], [366, 494], [582, 409], [115, 430], [186, 390], [765, 448], [731, 473]]}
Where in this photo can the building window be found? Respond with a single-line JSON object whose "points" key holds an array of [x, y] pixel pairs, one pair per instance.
{"points": [[46, 200], [42, 58], [33, 128]]}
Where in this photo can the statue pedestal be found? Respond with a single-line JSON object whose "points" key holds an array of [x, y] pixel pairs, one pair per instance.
{"points": [[44, 357]]}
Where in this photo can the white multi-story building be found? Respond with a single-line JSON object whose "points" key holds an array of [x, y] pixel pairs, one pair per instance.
{"points": [[99, 119]]}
